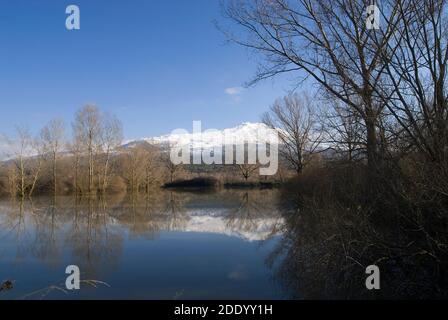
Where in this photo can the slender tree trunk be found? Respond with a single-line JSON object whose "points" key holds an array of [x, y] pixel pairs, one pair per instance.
{"points": [[36, 177], [90, 166], [54, 173], [22, 178], [133, 179], [147, 181], [106, 167], [75, 182]]}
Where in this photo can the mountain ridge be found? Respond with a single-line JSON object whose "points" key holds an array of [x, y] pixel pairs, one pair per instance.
{"points": [[246, 132]]}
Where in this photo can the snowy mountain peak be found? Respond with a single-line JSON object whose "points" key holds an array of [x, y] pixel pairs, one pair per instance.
{"points": [[247, 132]]}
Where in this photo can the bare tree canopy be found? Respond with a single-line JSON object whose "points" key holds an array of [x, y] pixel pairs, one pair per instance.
{"points": [[324, 40], [111, 139], [343, 131], [53, 135], [294, 117], [87, 129], [415, 87]]}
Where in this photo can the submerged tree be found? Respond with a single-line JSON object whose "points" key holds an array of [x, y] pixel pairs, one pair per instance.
{"points": [[20, 150], [87, 130], [134, 166], [36, 167], [52, 136], [75, 148], [111, 138]]}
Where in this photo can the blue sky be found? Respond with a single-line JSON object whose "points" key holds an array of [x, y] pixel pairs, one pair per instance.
{"points": [[156, 65]]}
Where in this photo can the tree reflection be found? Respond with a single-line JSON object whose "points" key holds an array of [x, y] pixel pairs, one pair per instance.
{"points": [[256, 210], [91, 232], [325, 249]]}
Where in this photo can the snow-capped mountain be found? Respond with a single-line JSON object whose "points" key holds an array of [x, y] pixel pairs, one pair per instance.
{"points": [[250, 133]]}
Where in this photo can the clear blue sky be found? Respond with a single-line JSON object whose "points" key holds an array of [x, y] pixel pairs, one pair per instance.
{"points": [[157, 65]]}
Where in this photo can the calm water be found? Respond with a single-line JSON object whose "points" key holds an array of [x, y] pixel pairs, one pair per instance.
{"points": [[169, 246]]}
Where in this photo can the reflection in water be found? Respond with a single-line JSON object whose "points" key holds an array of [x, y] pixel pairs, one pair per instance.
{"points": [[325, 248], [248, 219], [109, 237], [256, 244]]}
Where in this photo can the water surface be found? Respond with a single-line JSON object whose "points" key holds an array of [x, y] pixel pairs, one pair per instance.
{"points": [[169, 245]]}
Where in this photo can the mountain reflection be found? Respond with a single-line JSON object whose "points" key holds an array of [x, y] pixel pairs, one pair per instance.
{"points": [[93, 232], [168, 242]]}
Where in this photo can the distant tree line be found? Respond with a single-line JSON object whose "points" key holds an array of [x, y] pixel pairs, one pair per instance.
{"points": [[92, 162]]}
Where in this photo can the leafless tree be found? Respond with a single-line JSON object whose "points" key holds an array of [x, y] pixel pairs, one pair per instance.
{"points": [[294, 118], [171, 167], [36, 168], [344, 131], [134, 167], [416, 60], [326, 41], [111, 138], [20, 152], [247, 169], [87, 128], [52, 136], [150, 165], [76, 150]]}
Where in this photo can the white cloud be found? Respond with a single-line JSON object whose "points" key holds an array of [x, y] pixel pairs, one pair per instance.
{"points": [[234, 91]]}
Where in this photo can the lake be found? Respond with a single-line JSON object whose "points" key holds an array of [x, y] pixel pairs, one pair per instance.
{"points": [[168, 245]]}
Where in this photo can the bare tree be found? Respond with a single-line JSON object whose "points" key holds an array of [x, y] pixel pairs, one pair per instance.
{"points": [[76, 149], [150, 165], [52, 136], [344, 131], [326, 41], [111, 138], [294, 118], [87, 128], [135, 168], [247, 169], [20, 152], [416, 61], [36, 167], [170, 166]]}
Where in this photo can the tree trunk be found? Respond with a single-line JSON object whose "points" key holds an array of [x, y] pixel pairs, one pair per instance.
{"points": [[106, 167], [36, 177], [372, 145], [75, 182], [90, 167], [22, 178], [54, 174]]}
